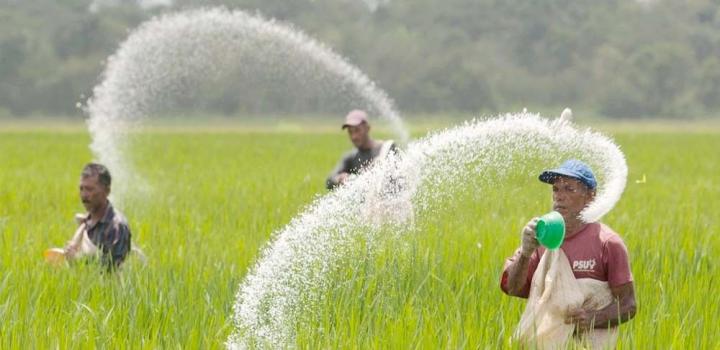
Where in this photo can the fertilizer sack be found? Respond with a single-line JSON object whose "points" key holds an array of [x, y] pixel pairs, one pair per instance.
{"points": [[554, 291]]}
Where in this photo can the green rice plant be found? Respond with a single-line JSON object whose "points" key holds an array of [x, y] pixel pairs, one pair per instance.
{"points": [[215, 197]]}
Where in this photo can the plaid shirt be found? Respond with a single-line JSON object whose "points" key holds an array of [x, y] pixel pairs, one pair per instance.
{"points": [[111, 235]]}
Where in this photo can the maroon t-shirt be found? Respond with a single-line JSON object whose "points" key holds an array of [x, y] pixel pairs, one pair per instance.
{"points": [[595, 252]]}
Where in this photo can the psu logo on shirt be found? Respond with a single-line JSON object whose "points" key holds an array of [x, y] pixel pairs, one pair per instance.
{"points": [[584, 265]]}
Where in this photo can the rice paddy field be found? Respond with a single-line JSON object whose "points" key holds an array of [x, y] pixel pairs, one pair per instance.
{"points": [[212, 197]]}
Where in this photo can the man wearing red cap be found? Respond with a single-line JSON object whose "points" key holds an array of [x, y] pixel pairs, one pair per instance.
{"points": [[366, 149]]}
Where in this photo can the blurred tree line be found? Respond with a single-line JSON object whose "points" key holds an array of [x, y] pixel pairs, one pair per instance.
{"points": [[619, 58]]}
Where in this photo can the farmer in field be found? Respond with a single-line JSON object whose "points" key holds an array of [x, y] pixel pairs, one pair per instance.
{"points": [[103, 231], [365, 152], [595, 253]]}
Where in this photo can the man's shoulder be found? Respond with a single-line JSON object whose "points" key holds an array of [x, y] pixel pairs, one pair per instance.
{"points": [[608, 236], [350, 155], [119, 218]]}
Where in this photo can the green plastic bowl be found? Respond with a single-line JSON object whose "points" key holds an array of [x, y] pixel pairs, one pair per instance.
{"points": [[550, 230]]}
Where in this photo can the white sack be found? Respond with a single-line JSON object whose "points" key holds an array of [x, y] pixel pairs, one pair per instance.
{"points": [[553, 292]]}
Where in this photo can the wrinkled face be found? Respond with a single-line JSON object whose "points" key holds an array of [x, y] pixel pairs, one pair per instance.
{"points": [[93, 194], [570, 197], [359, 135]]}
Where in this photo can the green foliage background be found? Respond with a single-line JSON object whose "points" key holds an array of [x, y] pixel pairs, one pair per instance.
{"points": [[619, 59]]}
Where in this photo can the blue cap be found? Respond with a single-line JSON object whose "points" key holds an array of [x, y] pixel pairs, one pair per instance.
{"points": [[572, 168]]}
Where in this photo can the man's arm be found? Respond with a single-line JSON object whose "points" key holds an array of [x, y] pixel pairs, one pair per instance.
{"points": [[621, 310], [72, 246], [336, 180], [339, 174], [515, 277], [515, 282]]}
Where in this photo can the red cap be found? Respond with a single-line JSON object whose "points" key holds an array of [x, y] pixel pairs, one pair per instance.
{"points": [[355, 118]]}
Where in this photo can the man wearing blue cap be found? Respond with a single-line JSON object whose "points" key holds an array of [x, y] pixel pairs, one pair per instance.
{"points": [[593, 250]]}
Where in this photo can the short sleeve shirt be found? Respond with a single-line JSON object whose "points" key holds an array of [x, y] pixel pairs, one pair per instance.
{"points": [[355, 161], [596, 252], [112, 236]]}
